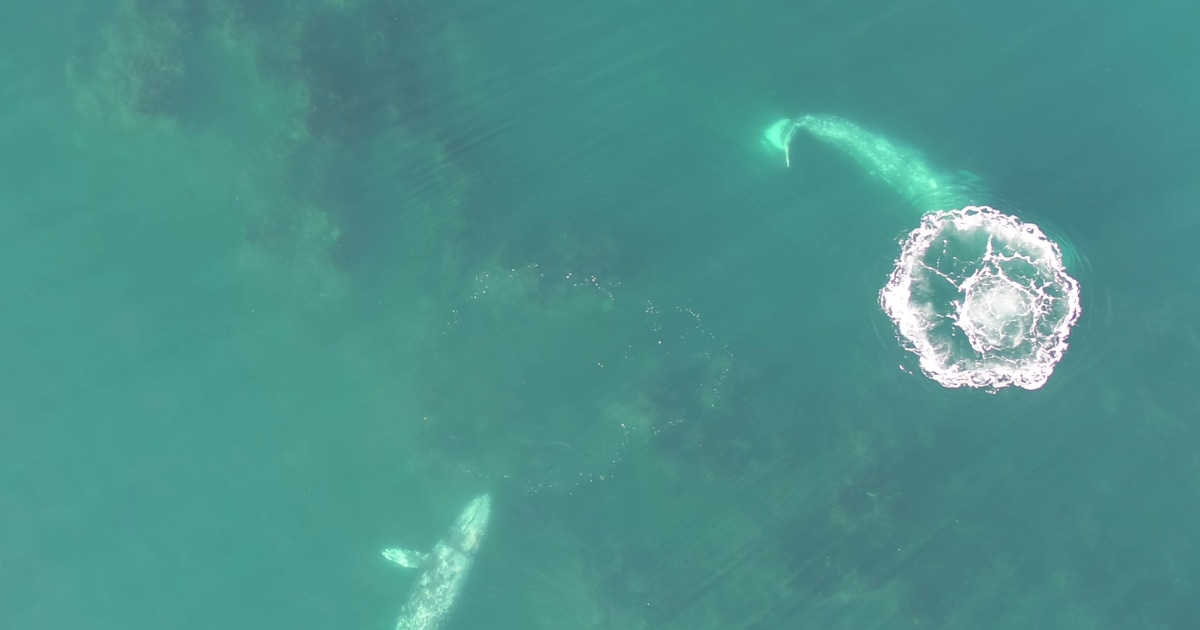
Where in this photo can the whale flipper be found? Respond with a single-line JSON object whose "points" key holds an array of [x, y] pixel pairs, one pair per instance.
{"points": [[406, 558]]}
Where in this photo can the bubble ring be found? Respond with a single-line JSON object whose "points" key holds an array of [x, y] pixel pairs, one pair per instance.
{"points": [[983, 299]]}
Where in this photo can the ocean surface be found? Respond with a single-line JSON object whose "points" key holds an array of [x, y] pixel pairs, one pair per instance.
{"points": [[287, 283]]}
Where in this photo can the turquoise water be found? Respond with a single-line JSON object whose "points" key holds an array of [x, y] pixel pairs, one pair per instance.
{"points": [[236, 239]]}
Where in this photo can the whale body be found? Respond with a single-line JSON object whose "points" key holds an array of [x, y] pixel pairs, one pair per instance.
{"points": [[903, 169], [445, 568]]}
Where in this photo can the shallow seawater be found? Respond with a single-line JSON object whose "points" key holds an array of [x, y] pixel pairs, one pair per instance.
{"points": [[238, 234]]}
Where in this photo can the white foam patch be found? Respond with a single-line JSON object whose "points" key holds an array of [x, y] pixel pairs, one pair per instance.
{"points": [[983, 299]]}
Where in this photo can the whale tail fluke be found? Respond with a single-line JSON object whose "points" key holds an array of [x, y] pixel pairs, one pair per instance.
{"points": [[779, 136]]}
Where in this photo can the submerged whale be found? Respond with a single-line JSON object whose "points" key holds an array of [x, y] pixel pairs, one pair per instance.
{"points": [[983, 298], [444, 568], [902, 168]]}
